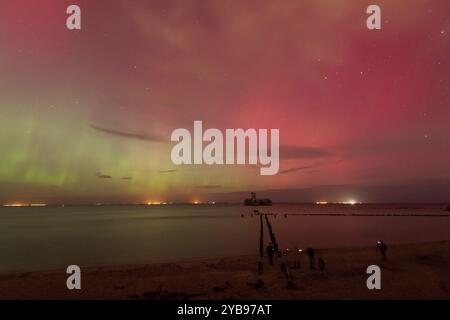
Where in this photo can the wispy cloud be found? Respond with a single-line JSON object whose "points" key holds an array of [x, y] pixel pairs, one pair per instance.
{"points": [[300, 152], [295, 169], [168, 171], [102, 176], [126, 178], [128, 134]]}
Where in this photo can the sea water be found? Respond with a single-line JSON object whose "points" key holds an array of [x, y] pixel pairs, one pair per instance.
{"points": [[48, 238]]}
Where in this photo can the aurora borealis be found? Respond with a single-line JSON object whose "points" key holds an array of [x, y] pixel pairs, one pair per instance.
{"points": [[86, 116]]}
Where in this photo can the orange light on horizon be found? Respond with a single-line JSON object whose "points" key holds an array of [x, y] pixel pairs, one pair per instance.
{"points": [[155, 202], [25, 205], [321, 202], [350, 202]]}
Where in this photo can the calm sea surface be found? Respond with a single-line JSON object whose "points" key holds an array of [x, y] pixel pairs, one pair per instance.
{"points": [[47, 238]]}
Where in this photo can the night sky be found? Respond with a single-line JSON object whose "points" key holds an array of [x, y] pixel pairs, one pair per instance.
{"points": [[86, 116]]}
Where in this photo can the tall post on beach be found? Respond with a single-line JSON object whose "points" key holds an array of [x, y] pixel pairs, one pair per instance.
{"points": [[261, 237], [261, 243], [272, 235]]}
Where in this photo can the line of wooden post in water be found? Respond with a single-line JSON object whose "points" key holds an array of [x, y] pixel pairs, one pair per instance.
{"points": [[284, 265], [261, 238], [272, 235], [350, 214], [261, 233]]}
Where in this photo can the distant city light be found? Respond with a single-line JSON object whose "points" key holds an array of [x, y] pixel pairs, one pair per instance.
{"points": [[350, 202], [25, 205]]}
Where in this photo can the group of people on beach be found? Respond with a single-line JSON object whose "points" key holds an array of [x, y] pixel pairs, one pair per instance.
{"points": [[285, 262], [311, 253], [271, 250]]}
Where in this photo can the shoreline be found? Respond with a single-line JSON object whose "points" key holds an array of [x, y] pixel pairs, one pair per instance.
{"points": [[412, 271], [202, 259]]}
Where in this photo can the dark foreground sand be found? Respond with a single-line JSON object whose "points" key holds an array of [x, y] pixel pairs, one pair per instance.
{"points": [[411, 272]]}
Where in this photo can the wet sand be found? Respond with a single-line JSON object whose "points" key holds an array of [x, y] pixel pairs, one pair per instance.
{"points": [[419, 271]]}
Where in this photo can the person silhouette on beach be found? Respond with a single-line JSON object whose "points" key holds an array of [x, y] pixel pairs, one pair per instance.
{"points": [[382, 247], [312, 256], [270, 253]]}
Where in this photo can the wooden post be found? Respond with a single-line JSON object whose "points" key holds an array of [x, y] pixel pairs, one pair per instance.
{"points": [[261, 237], [272, 236]]}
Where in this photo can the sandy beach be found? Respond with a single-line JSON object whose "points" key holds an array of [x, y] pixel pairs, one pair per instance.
{"points": [[419, 271]]}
